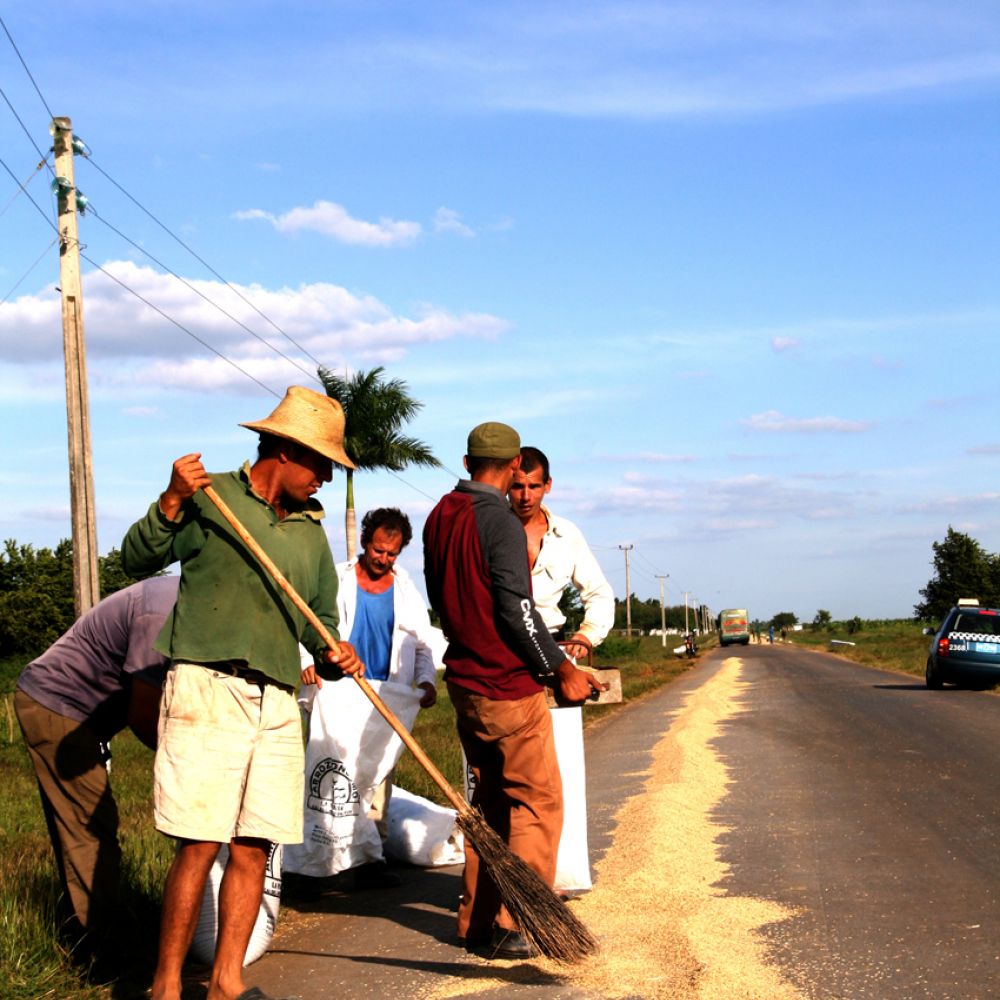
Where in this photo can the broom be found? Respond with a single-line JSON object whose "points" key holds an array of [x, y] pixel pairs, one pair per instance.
{"points": [[544, 919]]}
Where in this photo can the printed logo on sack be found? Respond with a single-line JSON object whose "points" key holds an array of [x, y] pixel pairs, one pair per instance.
{"points": [[332, 790], [272, 873], [470, 782]]}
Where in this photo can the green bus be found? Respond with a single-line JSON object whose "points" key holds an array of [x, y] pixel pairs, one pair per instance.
{"points": [[733, 625]]}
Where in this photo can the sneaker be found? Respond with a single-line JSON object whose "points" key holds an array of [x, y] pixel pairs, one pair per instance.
{"points": [[508, 943]]}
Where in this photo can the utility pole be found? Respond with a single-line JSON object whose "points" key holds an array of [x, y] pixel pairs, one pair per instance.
{"points": [[86, 587], [663, 611], [628, 593], [687, 628]]}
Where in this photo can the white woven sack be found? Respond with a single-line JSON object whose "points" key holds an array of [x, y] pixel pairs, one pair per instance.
{"points": [[421, 832], [350, 751], [207, 931], [573, 861]]}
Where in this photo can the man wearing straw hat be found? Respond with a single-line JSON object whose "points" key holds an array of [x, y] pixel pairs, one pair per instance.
{"points": [[476, 569], [229, 762]]}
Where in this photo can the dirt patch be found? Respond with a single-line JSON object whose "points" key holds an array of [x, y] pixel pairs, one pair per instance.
{"points": [[666, 930]]}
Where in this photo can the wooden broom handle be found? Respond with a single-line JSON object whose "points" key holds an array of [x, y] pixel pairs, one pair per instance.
{"points": [[461, 806]]}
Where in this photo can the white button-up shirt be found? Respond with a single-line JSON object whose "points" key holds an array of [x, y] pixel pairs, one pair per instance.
{"points": [[566, 558]]}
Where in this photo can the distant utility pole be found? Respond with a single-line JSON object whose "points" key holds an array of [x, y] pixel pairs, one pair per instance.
{"points": [[628, 593], [86, 587], [663, 611], [686, 627]]}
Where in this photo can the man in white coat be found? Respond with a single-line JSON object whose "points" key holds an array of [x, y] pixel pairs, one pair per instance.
{"points": [[386, 616], [559, 556]]}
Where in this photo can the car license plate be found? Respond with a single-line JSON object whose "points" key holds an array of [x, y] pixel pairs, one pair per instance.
{"points": [[987, 647]]}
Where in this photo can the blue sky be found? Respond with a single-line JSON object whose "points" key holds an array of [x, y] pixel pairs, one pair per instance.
{"points": [[733, 267]]}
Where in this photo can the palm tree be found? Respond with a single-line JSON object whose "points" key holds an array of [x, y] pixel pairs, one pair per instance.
{"points": [[374, 411]]}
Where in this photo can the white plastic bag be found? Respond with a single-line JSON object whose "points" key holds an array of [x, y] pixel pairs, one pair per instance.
{"points": [[207, 931], [573, 861], [351, 749], [422, 832]]}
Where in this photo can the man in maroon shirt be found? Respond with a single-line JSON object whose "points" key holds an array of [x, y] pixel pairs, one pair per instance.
{"points": [[499, 653]]}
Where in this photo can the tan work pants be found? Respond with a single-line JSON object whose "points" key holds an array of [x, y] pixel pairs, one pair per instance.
{"points": [[511, 752]]}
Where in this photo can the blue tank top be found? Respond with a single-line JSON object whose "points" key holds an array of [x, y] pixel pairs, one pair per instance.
{"points": [[371, 633]]}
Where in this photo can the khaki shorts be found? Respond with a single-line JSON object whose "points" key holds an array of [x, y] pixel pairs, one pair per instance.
{"points": [[229, 760]]}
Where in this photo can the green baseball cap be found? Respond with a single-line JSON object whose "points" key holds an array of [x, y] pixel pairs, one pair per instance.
{"points": [[493, 440]]}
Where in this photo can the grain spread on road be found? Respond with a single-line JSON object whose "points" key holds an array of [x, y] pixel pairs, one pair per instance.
{"points": [[666, 929]]}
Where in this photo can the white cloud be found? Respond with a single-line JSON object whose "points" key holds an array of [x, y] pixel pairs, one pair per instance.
{"points": [[763, 500], [129, 341], [953, 504], [779, 344], [772, 421], [331, 219], [447, 220]]}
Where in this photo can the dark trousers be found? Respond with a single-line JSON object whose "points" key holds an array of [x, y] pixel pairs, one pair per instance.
{"points": [[80, 811]]}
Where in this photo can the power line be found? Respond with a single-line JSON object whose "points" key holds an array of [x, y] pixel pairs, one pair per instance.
{"points": [[180, 326], [201, 260], [198, 292], [31, 139], [649, 565], [26, 70], [30, 269], [23, 189]]}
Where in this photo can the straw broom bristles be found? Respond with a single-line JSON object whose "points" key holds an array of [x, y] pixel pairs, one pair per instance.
{"points": [[543, 918]]}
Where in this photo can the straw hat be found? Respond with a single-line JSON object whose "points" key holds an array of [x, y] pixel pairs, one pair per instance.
{"points": [[310, 419]]}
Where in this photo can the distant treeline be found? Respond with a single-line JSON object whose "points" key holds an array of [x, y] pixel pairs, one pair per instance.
{"points": [[36, 594]]}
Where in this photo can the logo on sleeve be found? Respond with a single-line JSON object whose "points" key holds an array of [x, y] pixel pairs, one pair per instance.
{"points": [[529, 622]]}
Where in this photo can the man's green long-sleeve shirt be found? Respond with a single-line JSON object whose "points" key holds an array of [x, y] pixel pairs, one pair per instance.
{"points": [[228, 607]]}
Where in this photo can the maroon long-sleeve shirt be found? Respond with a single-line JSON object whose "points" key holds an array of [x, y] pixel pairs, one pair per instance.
{"points": [[478, 581]]}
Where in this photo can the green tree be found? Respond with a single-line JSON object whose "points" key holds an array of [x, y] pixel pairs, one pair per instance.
{"points": [[113, 576], [822, 619], [375, 410], [784, 619], [36, 593], [36, 596], [962, 568], [572, 607]]}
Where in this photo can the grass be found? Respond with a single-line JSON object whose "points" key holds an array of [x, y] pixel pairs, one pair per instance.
{"points": [[35, 964], [888, 645], [644, 664]]}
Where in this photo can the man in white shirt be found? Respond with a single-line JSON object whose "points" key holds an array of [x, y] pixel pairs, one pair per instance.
{"points": [[380, 606], [559, 556]]}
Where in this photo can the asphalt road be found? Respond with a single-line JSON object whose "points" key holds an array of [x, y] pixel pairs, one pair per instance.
{"points": [[873, 805], [864, 802]]}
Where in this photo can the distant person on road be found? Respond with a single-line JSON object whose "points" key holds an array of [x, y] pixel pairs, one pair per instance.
{"points": [[229, 762], [99, 677], [385, 619], [560, 557], [770, 634], [476, 570]]}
